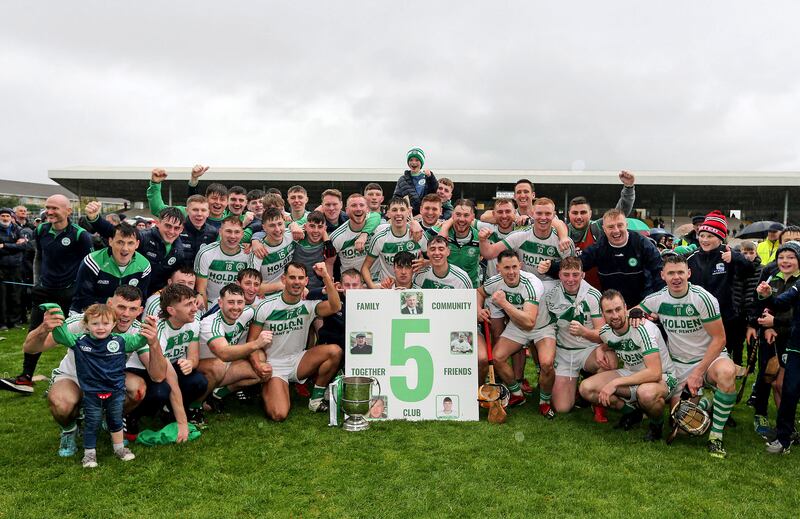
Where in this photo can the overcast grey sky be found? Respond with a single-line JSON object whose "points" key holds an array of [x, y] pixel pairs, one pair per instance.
{"points": [[535, 85]]}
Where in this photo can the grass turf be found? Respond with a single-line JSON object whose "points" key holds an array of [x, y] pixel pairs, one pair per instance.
{"points": [[244, 466]]}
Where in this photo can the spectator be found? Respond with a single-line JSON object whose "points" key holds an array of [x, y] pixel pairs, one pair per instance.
{"points": [[744, 292], [12, 248], [690, 238], [626, 261], [332, 209], [715, 266], [766, 249], [21, 218], [415, 182]]}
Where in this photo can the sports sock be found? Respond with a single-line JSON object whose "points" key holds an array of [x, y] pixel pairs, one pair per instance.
{"points": [[196, 405], [514, 388], [723, 405], [704, 404], [69, 428], [544, 398], [628, 409], [29, 362], [317, 392], [222, 392], [118, 447]]}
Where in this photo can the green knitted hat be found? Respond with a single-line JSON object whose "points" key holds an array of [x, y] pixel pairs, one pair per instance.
{"points": [[416, 153]]}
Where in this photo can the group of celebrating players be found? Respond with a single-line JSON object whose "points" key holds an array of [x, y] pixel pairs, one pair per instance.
{"points": [[236, 291]]}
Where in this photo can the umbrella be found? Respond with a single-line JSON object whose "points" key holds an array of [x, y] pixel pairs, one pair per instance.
{"points": [[684, 229], [657, 232], [638, 226], [756, 230]]}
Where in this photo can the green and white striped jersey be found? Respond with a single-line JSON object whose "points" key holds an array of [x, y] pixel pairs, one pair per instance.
{"points": [[532, 250], [153, 305], [528, 290], [343, 240], [632, 346], [289, 324], [565, 308], [215, 325], [218, 267], [454, 278], [75, 325], [278, 256], [496, 236], [384, 245], [174, 342], [683, 318]]}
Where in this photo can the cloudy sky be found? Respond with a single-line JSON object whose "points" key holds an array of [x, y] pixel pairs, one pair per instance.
{"points": [[533, 85]]}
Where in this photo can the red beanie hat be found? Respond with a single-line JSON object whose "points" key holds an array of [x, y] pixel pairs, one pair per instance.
{"points": [[716, 224]]}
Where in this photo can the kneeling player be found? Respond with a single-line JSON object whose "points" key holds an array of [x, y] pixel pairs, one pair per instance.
{"points": [[223, 360], [696, 341], [516, 293], [574, 306], [648, 375], [288, 316]]}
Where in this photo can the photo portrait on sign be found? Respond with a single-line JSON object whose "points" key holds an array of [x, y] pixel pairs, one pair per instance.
{"points": [[447, 407], [461, 343], [378, 408], [411, 303], [361, 343]]}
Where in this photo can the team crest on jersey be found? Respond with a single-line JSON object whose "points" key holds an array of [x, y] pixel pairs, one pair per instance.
{"points": [[472, 252], [551, 251], [689, 310], [171, 261], [112, 346], [133, 282], [65, 241], [719, 268], [633, 262]]}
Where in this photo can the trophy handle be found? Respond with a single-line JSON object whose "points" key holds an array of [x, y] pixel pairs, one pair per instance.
{"points": [[334, 394], [376, 381]]}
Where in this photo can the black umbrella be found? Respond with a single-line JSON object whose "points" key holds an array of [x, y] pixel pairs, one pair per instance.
{"points": [[657, 232], [756, 230]]}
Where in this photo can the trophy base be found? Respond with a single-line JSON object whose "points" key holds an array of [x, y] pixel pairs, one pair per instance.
{"points": [[355, 423]]}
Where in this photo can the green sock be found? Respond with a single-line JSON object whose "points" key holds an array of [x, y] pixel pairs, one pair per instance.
{"points": [[222, 392], [317, 392], [628, 409], [69, 428], [723, 405], [514, 388], [704, 404], [544, 398], [196, 405]]}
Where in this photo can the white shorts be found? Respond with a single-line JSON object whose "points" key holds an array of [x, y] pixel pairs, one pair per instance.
{"points": [[57, 375], [569, 363], [666, 378], [285, 368], [516, 334], [682, 372], [494, 311]]}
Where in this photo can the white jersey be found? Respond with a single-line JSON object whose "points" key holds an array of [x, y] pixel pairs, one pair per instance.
{"points": [[75, 325], [214, 326], [532, 250], [384, 245], [683, 319], [218, 267], [632, 346], [565, 308], [343, 240], [153, 305], [278, 256], [529, 289], [289, 324], [454, 278], [174, 342], [496, 236]]}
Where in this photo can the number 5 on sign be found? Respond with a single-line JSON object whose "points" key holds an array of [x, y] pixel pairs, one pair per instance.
{"points": [[401, 354]]}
